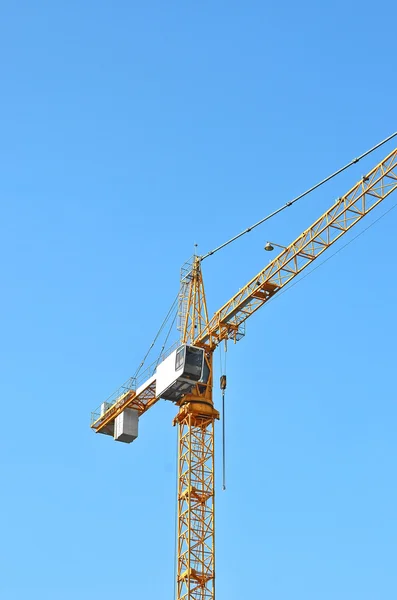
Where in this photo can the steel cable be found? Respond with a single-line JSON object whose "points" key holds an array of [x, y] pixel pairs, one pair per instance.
{"points": [[291, 202], [157, 335]]}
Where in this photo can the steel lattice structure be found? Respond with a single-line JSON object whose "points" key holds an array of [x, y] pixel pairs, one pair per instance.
{"points": [[325, 231], [196, 417], [196, 507], [196, 492]]}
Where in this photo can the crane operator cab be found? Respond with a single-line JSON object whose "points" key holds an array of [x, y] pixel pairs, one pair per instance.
{"points": [[180, 371]]}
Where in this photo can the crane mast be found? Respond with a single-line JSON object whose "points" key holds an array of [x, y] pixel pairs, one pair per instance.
{"points": [[195, 422], [195, 577], [196, 490]]}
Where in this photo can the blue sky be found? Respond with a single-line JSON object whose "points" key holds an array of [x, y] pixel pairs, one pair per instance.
{"points": [[129, 132]]}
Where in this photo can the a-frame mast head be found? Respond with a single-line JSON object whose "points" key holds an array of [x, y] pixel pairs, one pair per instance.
{"points": [[192, 312]]}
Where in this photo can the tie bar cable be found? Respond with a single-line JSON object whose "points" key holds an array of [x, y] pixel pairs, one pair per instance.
{"points": [[291, 202]]}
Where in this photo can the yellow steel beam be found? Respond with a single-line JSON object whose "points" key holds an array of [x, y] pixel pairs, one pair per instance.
{"points": [[196, 494], [335, 222], [130, 399], [193, 298]]}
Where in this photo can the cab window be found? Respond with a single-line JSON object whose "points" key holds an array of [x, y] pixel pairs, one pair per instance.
{"points": [[193, 363], [179, 358]]}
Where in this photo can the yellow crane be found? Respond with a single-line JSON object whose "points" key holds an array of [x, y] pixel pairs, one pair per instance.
{"points": [[185, 374]]}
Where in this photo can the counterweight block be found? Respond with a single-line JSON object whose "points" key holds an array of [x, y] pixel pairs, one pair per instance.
{"points": [[126, 426]]}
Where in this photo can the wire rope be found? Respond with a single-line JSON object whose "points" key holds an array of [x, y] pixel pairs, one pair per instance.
{"points": [[223, 442], [167, 336], [157, 335], [291, 202], [223, 383]]}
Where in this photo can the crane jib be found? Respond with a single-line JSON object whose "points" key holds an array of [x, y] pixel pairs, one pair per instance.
{"points": [[326, 230]]}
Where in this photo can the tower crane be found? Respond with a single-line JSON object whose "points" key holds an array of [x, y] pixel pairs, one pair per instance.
{"points": [[185, 374]]}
